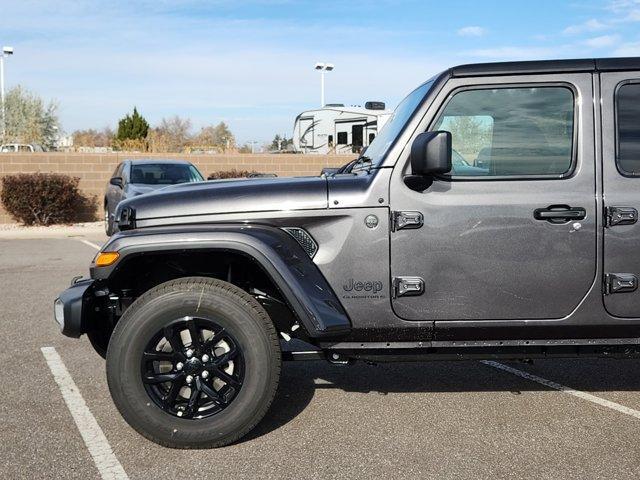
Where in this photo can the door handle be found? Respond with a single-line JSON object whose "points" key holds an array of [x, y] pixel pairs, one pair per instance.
{"points": [[559, 213]]}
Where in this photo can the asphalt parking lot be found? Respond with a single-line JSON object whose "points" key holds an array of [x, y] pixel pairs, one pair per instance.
{"points": [[429, 420]]}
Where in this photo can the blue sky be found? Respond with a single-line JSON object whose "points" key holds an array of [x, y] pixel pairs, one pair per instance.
{"points": [[250, 63]]}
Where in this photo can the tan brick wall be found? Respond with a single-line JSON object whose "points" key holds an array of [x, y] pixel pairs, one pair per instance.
{"points": [[95, 170]]}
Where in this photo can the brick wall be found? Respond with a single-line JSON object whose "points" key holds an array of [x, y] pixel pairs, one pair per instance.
{"points": [[95, 170]]}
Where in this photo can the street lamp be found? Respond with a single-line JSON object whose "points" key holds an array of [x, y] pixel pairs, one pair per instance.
{"points": [[323, 67], [6, 51]]}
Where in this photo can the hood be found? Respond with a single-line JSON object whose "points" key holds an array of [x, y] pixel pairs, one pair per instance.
{"points": [[140, 188], [231, 196]]}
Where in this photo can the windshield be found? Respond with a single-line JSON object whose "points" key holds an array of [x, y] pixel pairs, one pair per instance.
{"points": [[394, 126], [164, 174]]}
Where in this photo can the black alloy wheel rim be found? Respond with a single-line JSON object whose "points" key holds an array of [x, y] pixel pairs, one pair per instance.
{"points": [[192, 368]]}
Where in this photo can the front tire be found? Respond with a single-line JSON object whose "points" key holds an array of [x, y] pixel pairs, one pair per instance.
{"points": [[166, 341]]}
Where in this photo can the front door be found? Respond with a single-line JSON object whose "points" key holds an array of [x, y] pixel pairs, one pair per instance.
{"points": [[621, 183], [511, 232]]}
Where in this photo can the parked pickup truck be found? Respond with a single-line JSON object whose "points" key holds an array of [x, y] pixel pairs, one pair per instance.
{"points": [[495, 216]]}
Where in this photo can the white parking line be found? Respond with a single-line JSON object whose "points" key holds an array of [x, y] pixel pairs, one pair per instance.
{"points": [[93, 436], [564, 389], [91, 244]]}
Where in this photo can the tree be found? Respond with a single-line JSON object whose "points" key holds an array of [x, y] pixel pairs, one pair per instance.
{"points": [[218, 136], [280, 143], [132, 127], [93, 138], [469, 134], [172, 135], [29, 120], [246, 148]]}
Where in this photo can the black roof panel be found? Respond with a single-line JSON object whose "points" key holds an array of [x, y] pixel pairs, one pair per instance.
{"points": [[623, 63], [546, 66]]}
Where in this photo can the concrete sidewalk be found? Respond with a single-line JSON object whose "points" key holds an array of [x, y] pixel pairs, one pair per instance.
{"points": [[16, 231]]}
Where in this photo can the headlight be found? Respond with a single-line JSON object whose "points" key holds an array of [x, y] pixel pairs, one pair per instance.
{"points": [[58, 312]]}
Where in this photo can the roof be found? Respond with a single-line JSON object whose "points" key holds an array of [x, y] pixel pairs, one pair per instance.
{"points": [[547, 66], [356, 110], [147, 161]]}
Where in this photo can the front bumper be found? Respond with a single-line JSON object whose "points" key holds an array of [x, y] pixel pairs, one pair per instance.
{"points": [[70, 306]]}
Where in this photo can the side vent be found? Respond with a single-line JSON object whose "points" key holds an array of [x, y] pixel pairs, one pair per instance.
{"points": [[305, 240]]}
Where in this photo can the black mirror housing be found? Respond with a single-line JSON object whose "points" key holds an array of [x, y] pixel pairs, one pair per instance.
{"points": [[117, 181], [431, 153]]}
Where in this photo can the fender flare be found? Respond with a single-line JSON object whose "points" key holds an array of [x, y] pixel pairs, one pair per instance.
{"points": [[299, 280]]}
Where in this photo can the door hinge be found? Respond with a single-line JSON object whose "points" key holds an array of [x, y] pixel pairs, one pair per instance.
{"points": [[407, 286], [620, 283], [406, 220], [620, 216]]}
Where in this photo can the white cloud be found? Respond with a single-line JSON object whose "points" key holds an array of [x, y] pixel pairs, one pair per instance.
{"points": [[591, 25], [625, 10], [631, 49], [472, 31], [602, 41]]}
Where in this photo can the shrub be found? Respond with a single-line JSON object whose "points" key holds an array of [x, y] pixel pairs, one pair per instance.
{"points": [[233, 173], [45, 198]]}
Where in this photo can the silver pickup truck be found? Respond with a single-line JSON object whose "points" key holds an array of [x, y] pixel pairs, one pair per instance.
{"points": [[494, 216]]}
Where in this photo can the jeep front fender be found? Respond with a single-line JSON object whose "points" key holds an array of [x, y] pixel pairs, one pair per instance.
{"points": [[296, 276]]}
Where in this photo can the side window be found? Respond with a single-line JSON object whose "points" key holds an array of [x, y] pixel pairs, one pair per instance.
{"points": [[518, 131], [628, 128], [342, 138]]}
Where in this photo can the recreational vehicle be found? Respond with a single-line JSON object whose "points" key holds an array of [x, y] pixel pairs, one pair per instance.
{"points": [[338, 129]]}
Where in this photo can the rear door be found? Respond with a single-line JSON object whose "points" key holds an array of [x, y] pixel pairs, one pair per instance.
{"points": [[306, 133], [512, 233], [621, 183]]}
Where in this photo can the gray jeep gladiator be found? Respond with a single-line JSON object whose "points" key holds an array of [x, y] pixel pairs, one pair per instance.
{"points": [[495, 216]]}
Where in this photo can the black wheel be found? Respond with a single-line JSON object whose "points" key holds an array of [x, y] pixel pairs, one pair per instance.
{"points": [[194, 363], [108, 223]]}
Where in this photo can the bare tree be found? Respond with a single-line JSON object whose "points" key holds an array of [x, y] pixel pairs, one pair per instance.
{"points": [[218, 137], [93, 138], [172, 135]]}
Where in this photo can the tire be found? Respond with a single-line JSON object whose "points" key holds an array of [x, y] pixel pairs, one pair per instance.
{"points": [[108, 224], [257, 363]]}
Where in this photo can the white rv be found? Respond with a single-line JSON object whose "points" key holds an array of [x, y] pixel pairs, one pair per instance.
{"points": [[338, 129]]}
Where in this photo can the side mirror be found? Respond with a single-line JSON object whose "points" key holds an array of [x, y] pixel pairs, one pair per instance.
{"points": [[117, 181], [431, 153]]}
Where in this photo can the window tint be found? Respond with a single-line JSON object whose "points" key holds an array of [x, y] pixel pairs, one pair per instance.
{"points": [[628, 124], [510, 131], [342, 138], [164, 174]]}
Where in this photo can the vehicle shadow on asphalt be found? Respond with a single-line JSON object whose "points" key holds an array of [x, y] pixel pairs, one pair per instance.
{"points": [[301, 380]]}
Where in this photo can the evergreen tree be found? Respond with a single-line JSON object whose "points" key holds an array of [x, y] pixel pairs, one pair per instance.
{"points": [[132, 127]]}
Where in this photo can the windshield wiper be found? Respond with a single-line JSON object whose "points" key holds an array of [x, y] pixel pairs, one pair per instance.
{"points": [[360, 162]]}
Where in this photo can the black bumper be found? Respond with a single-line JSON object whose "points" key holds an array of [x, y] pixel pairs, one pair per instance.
{"points": [[69, 308]]}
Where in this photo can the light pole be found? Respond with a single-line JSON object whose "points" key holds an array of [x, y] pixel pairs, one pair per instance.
{"points": [[323, 67], [6, 51]]}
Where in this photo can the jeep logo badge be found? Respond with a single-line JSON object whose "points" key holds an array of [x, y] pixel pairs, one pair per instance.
{"points": [[353, 285]]}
